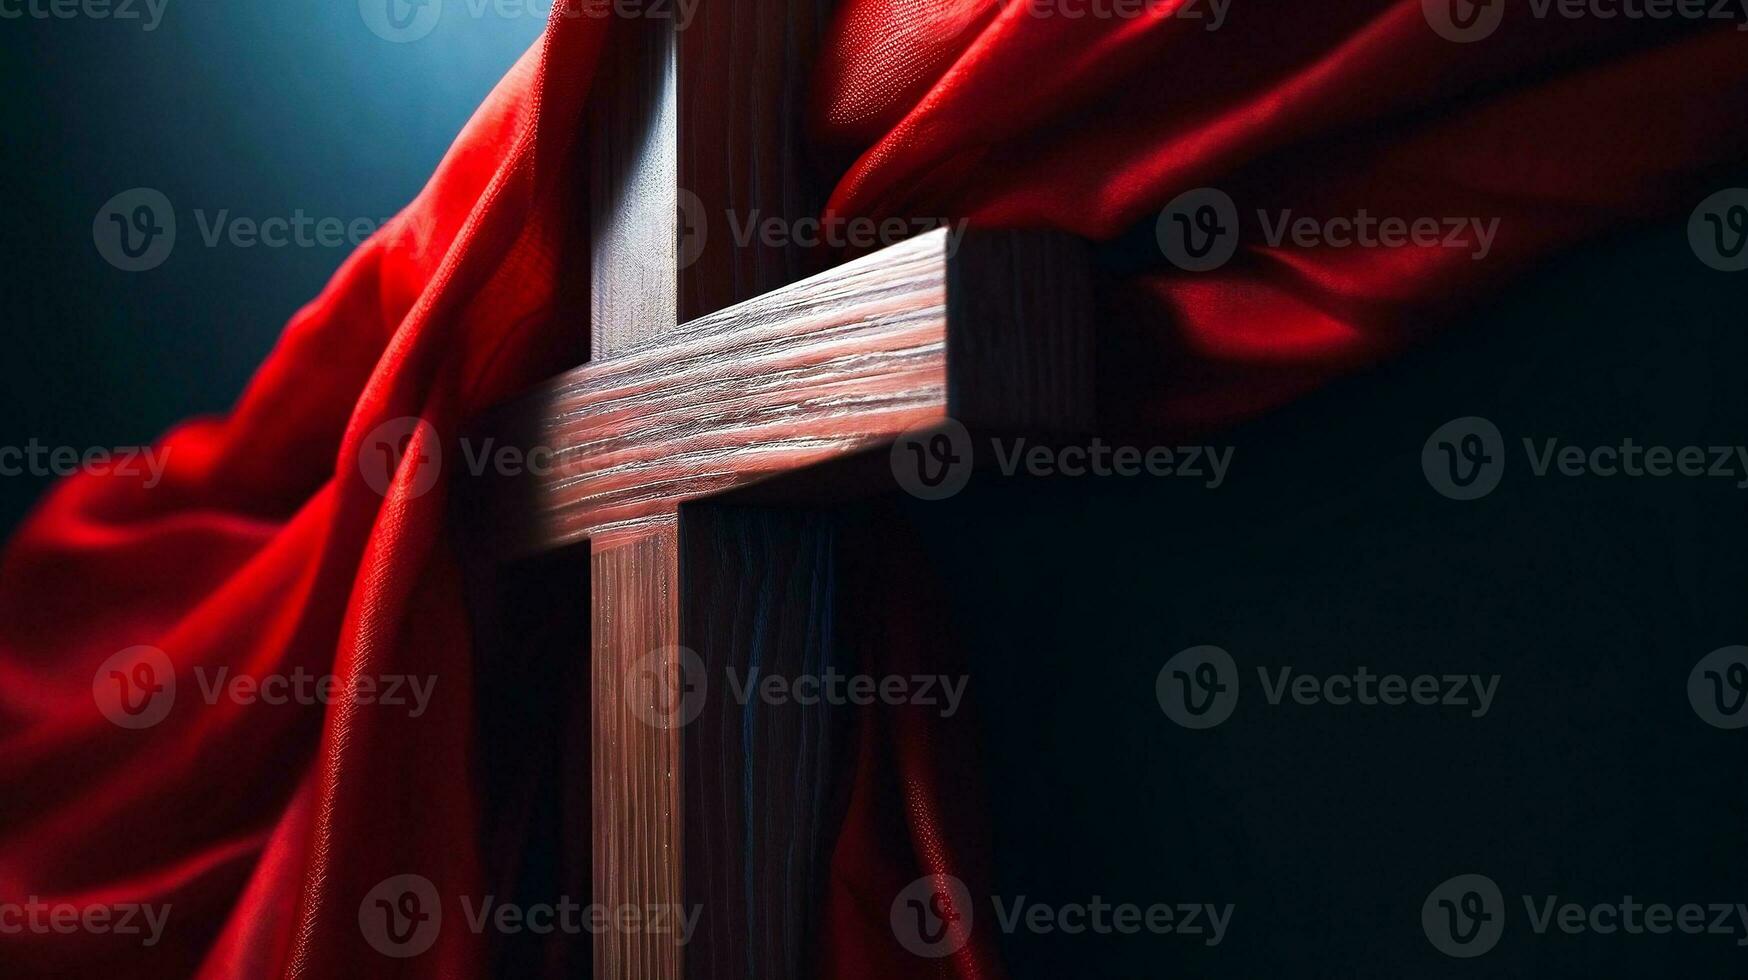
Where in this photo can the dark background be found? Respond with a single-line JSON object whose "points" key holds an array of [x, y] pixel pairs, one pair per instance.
{"points": [[259, 108], [1591, 778]]}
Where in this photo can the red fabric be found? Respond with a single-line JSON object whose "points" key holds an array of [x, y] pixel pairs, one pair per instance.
{"points": [[265, 550], [1562, 130]]}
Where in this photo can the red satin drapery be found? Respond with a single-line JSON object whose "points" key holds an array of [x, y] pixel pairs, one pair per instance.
{"points": [[265, 551]]}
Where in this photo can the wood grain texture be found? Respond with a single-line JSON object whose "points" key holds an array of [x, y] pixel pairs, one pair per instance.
{"points": [[633, 200], [692, 135], [636, 814], [821, 369], [834, 365], [1020, 314], [744, 69], [633, 208], [761, 600]]}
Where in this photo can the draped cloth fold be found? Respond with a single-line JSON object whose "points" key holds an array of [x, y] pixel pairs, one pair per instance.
{"points": [[266, 551]]}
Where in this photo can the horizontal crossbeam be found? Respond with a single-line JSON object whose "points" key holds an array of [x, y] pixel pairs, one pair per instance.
{"points": [[992, 331]]}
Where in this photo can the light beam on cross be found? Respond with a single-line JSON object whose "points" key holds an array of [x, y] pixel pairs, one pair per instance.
{"points": [[729, 371]]}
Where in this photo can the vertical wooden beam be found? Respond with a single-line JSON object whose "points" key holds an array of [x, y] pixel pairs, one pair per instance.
{"points": [[762, 600], [1020, 311], [687, 127], [709, 121], [637, 851], [745, 67], [633, 187], [634, 278]]}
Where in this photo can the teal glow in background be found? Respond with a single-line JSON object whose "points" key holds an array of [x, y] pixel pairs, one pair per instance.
{"points": [[255, 109]]}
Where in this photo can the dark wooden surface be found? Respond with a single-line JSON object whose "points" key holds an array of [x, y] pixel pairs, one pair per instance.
{"points": [[745, 68], [636, 760], [634, 282], [762, 594], [823, 369], [632, 187], [716, 363]]}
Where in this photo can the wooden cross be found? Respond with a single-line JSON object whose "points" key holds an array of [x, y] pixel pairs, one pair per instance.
{"points": [[715, 365]]}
